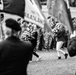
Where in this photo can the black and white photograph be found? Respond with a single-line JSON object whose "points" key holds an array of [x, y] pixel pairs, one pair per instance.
{"points": [[37, 37]]}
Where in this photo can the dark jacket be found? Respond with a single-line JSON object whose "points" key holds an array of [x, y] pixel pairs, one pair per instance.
{"points": [[61, 35], [71, 47], [14, 56]]}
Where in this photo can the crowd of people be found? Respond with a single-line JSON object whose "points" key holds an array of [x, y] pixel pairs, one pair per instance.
{"points": [[44, 38], [18, 44], [45, 41], [22, 39]]}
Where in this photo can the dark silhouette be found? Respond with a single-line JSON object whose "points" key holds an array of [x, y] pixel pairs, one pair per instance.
{"points": [[14, 53]]}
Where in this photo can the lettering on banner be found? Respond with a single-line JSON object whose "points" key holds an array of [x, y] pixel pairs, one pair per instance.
{"points": [[33, 18]]}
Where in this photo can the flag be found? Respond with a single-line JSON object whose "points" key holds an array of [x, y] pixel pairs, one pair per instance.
{"points": [[38, 3], [1, 5], [16, 7], [33, 14], [58, 8]]}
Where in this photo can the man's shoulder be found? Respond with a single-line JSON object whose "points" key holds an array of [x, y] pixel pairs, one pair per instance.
{"points": [[2, 42], [19, 42], [26, 43]]}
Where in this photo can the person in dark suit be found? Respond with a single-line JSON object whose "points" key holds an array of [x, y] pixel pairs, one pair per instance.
{"points": [[14, 53]]}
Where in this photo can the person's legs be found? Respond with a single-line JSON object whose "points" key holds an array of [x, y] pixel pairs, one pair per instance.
{"points": [[31, 57], [34, 53], [38, 57], [58, 48]]}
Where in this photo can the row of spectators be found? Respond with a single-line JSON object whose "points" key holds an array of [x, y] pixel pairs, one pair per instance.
{"points": [[44, 40], [27, 30]]}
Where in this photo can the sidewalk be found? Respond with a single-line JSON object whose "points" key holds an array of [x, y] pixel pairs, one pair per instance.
{"points": [[50, 65]]}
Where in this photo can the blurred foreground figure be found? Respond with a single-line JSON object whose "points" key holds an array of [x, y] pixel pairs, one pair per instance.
{"points": [[71, 47], [14, 53]]}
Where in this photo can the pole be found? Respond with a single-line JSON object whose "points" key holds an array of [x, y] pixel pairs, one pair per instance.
{"points": [[1, 29]]}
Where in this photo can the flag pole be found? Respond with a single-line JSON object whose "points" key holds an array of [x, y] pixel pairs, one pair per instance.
{"points": [[1, 30]]}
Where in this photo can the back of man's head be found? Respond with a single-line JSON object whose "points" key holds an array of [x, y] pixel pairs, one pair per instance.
{"points": [[13, 24]]}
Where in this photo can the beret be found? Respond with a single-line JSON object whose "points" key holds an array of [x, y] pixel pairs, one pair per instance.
{"points": [[13, 24]]}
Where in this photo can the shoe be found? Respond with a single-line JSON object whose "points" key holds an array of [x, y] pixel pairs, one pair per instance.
{"points": [[59, 57], [39, 58], [66, 55]]}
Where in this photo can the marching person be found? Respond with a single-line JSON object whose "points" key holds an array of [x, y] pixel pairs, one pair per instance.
{"points": [[60, 40], [1, 28], [14, 53]]}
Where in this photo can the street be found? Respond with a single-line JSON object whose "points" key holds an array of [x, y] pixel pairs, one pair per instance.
{"points": [[50, 65]]}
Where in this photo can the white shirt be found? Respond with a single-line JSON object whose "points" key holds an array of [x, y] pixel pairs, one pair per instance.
{"points": [[73, 34]]}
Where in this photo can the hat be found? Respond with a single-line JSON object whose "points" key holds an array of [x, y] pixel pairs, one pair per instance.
{"points": [[13, 24]]}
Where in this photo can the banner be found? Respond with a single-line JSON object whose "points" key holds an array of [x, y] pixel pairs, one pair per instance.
{"points": [[58, 8], [33, 14], [16, 7]]}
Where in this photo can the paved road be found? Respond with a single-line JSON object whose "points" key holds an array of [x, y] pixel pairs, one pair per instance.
{"points": [[50, 65]]}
